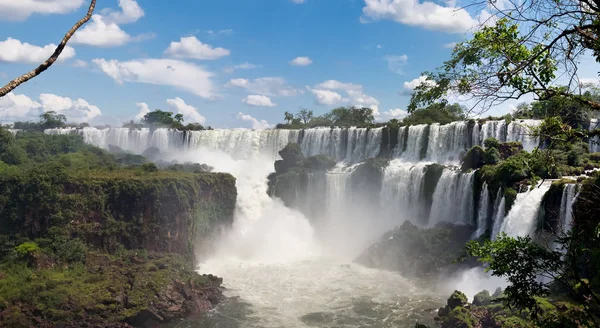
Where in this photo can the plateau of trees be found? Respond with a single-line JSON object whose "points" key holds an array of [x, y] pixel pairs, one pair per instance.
{"points": [[159, 118]]}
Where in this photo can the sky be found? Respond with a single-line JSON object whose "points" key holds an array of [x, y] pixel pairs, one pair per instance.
{"points": [[226, 63]]}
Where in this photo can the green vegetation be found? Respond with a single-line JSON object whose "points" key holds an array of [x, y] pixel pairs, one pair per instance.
{"points": [[341, 116], [436, 113], [159, 118], [90, 237]]}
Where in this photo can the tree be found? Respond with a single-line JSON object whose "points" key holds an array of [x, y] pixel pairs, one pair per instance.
{"points": [[305, 115], [52, 120], [288, 117], [159, 117], [45, 65], [179, 118], [436, 113], [532, 45], [351, 116]]}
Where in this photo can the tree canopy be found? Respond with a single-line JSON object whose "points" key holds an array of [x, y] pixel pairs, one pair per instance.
{"points": [[532, 47]]}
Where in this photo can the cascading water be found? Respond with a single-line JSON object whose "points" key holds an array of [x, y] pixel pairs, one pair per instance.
{"points": [[523, 216], [569, 196], [595, 141], [499, 212], [453, 198], [482, 212], [290, 271]]}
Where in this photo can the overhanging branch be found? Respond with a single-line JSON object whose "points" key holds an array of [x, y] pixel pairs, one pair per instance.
{"points": [[45, 65]]}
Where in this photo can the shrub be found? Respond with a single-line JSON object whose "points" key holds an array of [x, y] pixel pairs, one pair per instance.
{"points": [[491, 143]]}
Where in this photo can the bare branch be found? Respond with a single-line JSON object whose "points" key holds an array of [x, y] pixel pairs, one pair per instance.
{"points": [[45, 65]]}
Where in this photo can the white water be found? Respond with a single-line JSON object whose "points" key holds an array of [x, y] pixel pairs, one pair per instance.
{"points": [[569, 196], [518, 130], [594, 142], [523, 215], [499, 212], [453, 198], [401, 191], [482, 212]]}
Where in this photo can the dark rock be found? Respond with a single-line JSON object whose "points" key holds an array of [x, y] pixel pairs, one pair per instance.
{"points": [[457, 298]]}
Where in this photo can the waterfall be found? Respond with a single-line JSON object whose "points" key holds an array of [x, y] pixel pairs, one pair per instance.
{"points": [[482, 212], [518, 130], [595, 141], [446, 142], [569, 196], [499, 212], [402, 189], [415, 142], [453, 198], [522, 217]]}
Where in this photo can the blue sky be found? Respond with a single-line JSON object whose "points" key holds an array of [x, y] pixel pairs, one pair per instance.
{"points": [[226, 63]]}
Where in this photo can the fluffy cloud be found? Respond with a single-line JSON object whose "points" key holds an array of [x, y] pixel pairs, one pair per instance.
{"points": [[325, 93], [245, 65], [396, 63], [396, 113], [104, 29], [171, 72], [15, 51], [191, 47], [80, 63], [130, 12], [450, 45], [268, 86], [256, 124], [14, 107], [190, 113], [301, 61], [409, 86], [143, 110], [17, 10], [326, 97], [258, 100], [426, 14], [100, 33]]}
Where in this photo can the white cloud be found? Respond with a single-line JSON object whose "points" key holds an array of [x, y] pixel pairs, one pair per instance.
{"points": [[190, 113], [104, 29], [256, 124], [80, 63], [75, 110], [268, 86], [379, 46], [191, 47], [14, 107], [221, 32], [426, 14], [410, 86], [130, 12], [396, 113], [326, 97], [17, 10], [100, 33], [299, 1], [301, 61], [258, 100], [15, 51], [245, 65], [354, 92], [337, 85], [450, 45], [144, 109], [396, 63], [171, 72]]}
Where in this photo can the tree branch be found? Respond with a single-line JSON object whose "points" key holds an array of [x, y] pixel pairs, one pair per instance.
{"points": [[45, 65]]}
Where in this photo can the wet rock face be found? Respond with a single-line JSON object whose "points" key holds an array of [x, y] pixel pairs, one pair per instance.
{"points": [[419, 253]]}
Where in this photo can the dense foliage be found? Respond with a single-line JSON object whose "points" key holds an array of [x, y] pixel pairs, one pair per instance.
{"points": [[68, 208], [160, 118]]}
